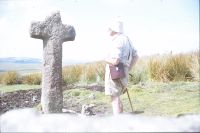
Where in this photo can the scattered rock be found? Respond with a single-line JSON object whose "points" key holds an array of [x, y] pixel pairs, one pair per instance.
{"points": [[87, 109], [69, 111], [92, 96]]}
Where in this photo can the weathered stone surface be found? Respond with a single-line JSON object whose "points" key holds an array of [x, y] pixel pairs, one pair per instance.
{"points": [[28, 120], [53, 33]]}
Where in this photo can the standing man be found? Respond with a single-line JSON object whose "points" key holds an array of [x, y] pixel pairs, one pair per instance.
{"points": [[120, 50]]}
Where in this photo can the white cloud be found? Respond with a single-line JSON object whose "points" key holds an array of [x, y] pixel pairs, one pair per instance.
{"points": [[4, 26]]}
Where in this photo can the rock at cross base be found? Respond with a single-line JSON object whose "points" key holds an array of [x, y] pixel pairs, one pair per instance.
{"points": [[53, 33]]}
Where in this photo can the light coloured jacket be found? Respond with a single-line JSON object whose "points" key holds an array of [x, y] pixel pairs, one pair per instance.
{"points": [[121, 48]]}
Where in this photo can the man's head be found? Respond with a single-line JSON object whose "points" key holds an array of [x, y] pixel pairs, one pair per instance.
{"points": [[116, 27]]}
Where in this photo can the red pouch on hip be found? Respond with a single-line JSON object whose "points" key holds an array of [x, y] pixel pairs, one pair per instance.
{"points": [[117, 71]]}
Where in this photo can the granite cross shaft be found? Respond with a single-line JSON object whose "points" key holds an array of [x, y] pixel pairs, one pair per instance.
{"points": [[53, 33]]}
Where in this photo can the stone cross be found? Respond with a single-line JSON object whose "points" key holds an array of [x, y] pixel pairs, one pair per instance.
{"points": [[53, 33]]}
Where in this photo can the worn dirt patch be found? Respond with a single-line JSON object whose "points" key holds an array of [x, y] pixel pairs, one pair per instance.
{"points": [[31, 98]]}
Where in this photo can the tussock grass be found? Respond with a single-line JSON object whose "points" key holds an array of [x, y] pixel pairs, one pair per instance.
{"points": [[93, 72], [157, 69], [32, 79], [72, 74], [139, 72], [164, 68], [10, 78], [179, 67], [84, 73]]}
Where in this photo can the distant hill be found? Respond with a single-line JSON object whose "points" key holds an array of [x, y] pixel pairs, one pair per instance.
{"points": [[25, 65], [20, 60]]}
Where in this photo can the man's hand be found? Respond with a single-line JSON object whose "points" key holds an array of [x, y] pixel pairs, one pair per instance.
{"points": [[113, 61]]}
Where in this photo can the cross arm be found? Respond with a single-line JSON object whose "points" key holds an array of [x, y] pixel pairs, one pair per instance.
{"points": [[36, 30], [68, 33]]}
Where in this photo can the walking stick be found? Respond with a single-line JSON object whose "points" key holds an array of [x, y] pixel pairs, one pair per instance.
{"points": [[129, 100], [127, 95]]}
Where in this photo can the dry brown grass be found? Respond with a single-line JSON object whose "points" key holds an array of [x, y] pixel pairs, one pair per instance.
{"points": [[179, 67]]}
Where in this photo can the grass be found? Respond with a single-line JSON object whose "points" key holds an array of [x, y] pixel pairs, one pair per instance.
{"points": [[164, 99], [32, 79], [169, 94], [154, 98], [84, 96], [11, 88], [78, 97], [178, 67], [164, 68]]}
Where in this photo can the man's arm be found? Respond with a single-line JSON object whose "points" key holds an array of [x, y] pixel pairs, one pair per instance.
{"points": [[112, 61]]}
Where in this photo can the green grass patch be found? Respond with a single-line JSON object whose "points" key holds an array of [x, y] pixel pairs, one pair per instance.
{"points": [[165, 99], [154, 98], [85, 96], [11, 88], [78, 97]]}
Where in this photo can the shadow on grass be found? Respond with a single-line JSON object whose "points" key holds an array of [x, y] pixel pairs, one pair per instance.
{"points": [[136, 112]]}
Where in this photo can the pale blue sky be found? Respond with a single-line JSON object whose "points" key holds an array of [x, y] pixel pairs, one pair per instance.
{"points": [[154, 26]]}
